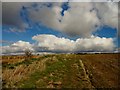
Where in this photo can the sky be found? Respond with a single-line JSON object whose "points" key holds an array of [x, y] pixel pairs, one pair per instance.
{"points": [[59, 27]]}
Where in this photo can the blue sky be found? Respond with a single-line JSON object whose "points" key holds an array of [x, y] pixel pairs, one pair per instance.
{"points": [[13, 32], [26, 36]]}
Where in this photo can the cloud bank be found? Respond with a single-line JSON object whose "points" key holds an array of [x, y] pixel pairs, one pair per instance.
{"points": [[93, 43], [52, 43]]}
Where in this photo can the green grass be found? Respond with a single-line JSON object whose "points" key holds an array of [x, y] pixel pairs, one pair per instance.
{"points": [[61, 70], [53, 68]]}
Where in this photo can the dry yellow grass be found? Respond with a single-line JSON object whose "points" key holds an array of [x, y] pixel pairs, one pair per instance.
{"points": [[21, 72], [14, 59]]}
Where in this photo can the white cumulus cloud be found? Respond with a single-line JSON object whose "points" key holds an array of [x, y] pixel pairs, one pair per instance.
{"points": [[80, 19], [19, 46], [94, 43], [108, 13], [46, 42]]}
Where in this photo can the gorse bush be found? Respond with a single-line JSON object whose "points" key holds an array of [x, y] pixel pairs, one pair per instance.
{"points": [[28, 54]]}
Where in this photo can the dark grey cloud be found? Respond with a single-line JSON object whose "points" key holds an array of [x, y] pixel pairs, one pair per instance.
{"points": [[0, 13], [11, 14]]}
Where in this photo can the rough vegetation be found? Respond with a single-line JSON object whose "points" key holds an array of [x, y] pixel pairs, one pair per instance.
{"points": [[62, 71]]}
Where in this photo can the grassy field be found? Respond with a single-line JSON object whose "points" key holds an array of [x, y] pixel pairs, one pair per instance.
{"points": [[61, 71]]}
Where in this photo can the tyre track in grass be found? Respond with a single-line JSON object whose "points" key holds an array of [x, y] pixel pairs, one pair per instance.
{"points": [[86, 78]]}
